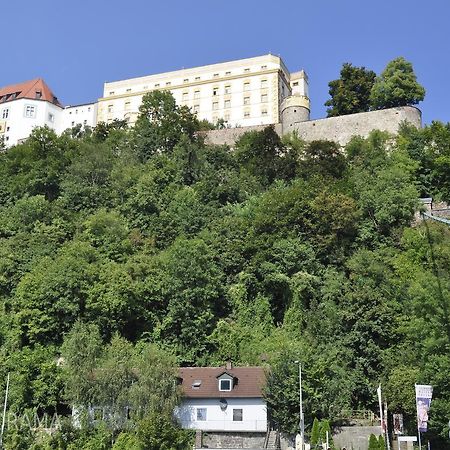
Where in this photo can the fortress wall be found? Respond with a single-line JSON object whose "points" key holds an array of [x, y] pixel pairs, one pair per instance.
{"points": [[339, 129], [230, 135]]}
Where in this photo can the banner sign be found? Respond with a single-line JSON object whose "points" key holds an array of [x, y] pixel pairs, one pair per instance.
{"points": [[398, 423], [424, 394]]}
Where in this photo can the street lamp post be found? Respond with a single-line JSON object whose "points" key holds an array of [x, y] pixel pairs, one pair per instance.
{"points": [[302, 422]]}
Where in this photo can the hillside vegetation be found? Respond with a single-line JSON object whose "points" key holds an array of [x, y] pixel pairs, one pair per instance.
{"points": [[128, 249]]}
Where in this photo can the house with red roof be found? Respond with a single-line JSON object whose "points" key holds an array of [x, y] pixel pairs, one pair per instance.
{"points": [[223, 399], [25, 106]]}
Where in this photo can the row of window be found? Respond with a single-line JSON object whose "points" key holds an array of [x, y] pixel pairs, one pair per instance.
{"points": [[227, 103], [76, 111], [196, 108], [28, 112], [238, 414], [227, 90], [186, 80]]}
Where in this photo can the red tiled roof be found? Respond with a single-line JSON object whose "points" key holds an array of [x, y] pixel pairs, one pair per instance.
{"points": [[35, 89], [250, 382]]}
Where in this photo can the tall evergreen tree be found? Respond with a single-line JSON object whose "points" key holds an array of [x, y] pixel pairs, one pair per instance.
{"points": [[397, 86]]}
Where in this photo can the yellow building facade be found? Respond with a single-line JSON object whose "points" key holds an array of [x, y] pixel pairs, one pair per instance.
{"points": [[245, 92]]}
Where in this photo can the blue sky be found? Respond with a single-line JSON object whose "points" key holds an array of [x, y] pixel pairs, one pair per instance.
{"points": [[77, 45]]}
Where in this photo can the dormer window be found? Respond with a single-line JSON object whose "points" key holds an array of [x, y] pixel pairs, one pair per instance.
{"points": [[196, 384], [225, 385], [38, 94]]}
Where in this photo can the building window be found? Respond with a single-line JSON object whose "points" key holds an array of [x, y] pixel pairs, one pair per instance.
{"points": [[246, 100], [227, 104], [5, 113], [247, 86], [263, 67], [215, 106], [186, 80], [38, 95], [237, 415], [215, 75], [157, 85], [73, 124], [30, 111], [197, 78], [129, 90], [227, 89], [111, 92], [51, 117], [226, 117], [227, 73], [224, 385], [110, 108], [247, 69], [196, 108], [185, 96], [215, 90], [264, 112], [263, 84], [89, 109], [84, 122], [168, 83], [127, 106], [246, 114], [196, 94], [295, 83], [263, 98], [201, 414]]}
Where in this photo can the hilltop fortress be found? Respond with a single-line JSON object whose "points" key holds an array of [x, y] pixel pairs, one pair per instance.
{"points": [[246, 94]]}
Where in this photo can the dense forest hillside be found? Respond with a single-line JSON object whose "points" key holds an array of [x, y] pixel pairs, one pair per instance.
{"points": [[127, 252]]}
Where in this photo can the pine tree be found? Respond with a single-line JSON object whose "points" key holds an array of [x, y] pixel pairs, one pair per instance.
{"points": [[315, 433], [397, 86], [373, 443]]}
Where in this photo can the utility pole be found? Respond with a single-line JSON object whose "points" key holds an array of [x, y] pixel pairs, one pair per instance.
{"points": [[4, 411], [302, 422]]}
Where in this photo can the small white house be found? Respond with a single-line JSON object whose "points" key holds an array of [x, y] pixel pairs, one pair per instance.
{"points": [[223, 399], [25, 106]]}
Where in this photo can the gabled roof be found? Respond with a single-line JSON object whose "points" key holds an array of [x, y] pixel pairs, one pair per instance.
{"points": [[249, 382], [35, 89]]}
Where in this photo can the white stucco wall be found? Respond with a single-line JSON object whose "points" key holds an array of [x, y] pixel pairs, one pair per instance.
{"points": [[245, 92], [18, 127], [254, 414], [84, 115]]}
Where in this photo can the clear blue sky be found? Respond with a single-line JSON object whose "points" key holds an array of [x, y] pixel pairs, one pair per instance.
{"points": [[77, 45]]}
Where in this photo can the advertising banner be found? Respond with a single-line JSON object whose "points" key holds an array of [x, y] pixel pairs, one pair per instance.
{"points": [[423, 401]]}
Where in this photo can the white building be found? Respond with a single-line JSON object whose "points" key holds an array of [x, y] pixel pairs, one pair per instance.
{"points": [[244, 92], [223, 399], [84, 115], [25, 106]]}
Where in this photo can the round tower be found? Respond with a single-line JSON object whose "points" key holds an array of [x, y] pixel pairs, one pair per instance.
{"points": [[296, 107]]}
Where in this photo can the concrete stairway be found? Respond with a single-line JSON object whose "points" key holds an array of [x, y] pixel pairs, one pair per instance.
{"points": [[273, 441]]}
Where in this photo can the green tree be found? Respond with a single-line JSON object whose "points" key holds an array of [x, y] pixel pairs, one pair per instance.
{"points": [[315, 433], [162, 124], [396, 86], [373, 443], [260, 152], [351, 92], [158, 432]]}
